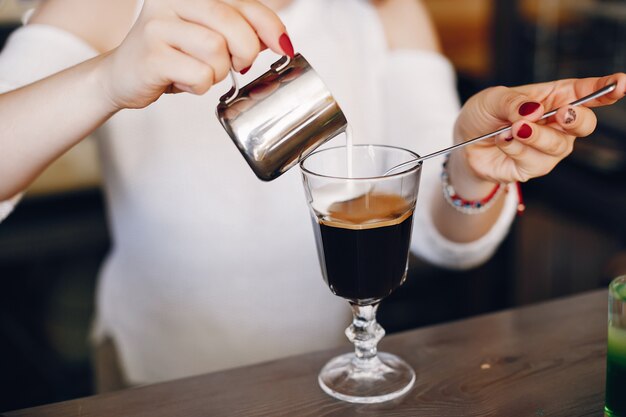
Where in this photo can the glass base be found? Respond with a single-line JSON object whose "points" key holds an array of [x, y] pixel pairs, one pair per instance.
{"points": [[376, 380]]}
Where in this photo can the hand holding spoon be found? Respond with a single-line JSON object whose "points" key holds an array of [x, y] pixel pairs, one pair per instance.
{"points": [[592, 96]]}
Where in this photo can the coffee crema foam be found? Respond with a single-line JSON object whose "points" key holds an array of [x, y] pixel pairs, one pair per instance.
{"points": [[368, 211]]}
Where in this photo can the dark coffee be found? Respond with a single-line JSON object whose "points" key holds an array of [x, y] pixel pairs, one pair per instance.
{"points": [[363, 246]]}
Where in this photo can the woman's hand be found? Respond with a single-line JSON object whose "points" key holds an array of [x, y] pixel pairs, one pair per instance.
{"points": [[188, 45], [533, 147]]}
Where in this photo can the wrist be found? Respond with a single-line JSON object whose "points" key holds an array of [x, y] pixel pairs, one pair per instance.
{"points": [[464, 205], [466, 181], [102, 65]]}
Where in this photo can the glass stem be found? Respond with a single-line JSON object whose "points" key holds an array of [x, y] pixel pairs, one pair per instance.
{"points": [[365, 333]]}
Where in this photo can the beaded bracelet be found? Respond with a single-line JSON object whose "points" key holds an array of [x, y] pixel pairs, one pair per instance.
{"points": [[463, 205]]}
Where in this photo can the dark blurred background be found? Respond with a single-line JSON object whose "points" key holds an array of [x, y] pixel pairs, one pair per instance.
{"points": [[572, 237]]}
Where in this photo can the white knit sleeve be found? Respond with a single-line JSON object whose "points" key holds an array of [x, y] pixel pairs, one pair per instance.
{"points": [[34, 52], [421, 103]]}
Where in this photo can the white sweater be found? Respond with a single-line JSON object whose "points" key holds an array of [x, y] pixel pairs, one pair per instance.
{"points": [[212, 268]]}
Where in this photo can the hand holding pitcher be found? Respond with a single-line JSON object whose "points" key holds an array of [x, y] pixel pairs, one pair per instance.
{"points": [[188, 45]]}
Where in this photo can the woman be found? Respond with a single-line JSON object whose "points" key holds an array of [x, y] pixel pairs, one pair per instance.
{"points": [[209, 267]]}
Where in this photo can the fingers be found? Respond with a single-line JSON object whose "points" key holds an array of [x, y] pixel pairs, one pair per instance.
{"points": [[586, 86], [576, 121], [197, 41], [247, 26], [187, 73], [214, 30], [537, 148], [268, 26], [504, 104], [188, 45], [562, 92], [241, 39], [544, 139], [534, 147]]}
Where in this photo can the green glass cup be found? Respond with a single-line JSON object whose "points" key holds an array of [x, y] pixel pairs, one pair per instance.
{"points": [[615, 402]]}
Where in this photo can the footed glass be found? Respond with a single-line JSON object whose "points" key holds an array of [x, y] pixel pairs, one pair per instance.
{"points": [[362, 221]]}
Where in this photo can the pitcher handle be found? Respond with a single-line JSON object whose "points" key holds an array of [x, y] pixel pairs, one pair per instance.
{"points": [[234, 90]]}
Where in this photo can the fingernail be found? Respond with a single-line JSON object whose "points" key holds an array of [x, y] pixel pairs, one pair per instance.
{"points": [[243, 71], [525, 131], [528, 108], [570, 117], [508, 139], [285, 44]]}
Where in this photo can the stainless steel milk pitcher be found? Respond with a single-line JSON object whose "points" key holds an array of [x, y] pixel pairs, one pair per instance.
{"points": [[280, 117]]}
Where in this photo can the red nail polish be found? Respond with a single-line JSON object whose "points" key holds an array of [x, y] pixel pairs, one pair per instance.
{"points": [[285, 44], [508, 139], [243, 71], [528, 108], [525, 131]]}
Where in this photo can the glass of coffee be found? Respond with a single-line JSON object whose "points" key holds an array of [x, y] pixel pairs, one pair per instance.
{"points": [[362, 221]]}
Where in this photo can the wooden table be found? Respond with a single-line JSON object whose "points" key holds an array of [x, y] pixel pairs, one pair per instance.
{"points": [[543, 360]]}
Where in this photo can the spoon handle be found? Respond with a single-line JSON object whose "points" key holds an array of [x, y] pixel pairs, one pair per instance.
{"points": [[592, 96]]}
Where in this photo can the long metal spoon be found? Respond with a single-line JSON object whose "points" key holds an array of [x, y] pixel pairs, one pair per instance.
{"points": [[592, 96]]}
